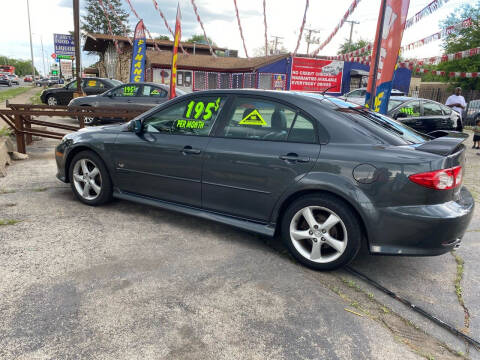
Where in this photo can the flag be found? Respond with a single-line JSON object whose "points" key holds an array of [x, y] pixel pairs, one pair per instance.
{"points": [[139, 53], [178, 35], [390, 26]]}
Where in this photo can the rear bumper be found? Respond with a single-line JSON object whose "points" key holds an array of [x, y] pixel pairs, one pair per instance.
{"points": [[422, 230]]}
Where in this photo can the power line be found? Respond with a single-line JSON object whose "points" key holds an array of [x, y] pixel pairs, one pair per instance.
{"points": [[276, 43], [311, 40]]}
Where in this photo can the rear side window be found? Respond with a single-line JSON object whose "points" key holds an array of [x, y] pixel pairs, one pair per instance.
{"points": [[431, 109], [412, 109], [149, 90], [258, 119]]}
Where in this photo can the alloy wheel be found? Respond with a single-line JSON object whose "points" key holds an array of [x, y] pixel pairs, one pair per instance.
{"points": [[88, 120], [318, 234], [87, 179], [52, 101]]}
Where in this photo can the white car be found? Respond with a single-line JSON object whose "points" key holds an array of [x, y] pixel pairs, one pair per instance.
{"points": [[357, 96]]}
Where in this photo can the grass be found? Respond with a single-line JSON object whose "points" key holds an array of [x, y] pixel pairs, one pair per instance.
{"points": [[35, 99], [5, 131], [9, 222], [10, 93], [458, 278], [6, 191]]}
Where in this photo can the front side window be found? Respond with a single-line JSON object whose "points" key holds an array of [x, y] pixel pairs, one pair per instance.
{"points": [[125, 90], [189, 117], [258, 119], [431, 109], [411, 109], [72, 85]]}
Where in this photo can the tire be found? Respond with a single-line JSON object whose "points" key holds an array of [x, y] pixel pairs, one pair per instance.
{"points": [[89, 120], [345, 235], [96, 195], [52, 100]]}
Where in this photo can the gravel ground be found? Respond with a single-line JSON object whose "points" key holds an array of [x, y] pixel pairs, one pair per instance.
{"points": [[125, 281]]}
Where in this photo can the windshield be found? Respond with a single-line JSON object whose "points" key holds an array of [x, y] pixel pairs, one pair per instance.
{"points": [[386, 123], [392, 103]]}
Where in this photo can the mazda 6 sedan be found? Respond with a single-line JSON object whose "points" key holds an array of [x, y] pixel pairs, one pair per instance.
{"points": [[321, 174]]}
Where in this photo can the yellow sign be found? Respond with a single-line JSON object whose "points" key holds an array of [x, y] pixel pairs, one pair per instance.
{"points": [[92, 83], [254, 118]]}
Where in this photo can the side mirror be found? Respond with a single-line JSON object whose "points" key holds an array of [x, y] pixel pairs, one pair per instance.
{"points": [[137, 126], [401, 115]]}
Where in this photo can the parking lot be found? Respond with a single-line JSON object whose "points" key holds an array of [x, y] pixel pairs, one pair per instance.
{"points": [[126, 281]]}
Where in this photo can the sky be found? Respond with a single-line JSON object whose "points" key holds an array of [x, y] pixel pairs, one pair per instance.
{"points": [[283, 19]]}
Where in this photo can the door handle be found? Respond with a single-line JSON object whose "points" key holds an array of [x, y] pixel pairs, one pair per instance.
{"points": [[292, 157], [189, 150]]}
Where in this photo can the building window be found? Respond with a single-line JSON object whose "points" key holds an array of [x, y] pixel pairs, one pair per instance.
{"points": [[265, 81], [212, 80], [249, 80], [199, 80], [225, 81]]}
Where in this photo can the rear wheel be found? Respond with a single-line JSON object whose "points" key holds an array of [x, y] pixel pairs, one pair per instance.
{"points": [[89, 179], [321, 231]]}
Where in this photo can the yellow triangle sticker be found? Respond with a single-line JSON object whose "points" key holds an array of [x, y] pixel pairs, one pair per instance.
{"points": [[254, 118]]}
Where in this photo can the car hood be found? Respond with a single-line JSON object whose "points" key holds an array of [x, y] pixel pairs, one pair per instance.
{"points": [[114, 127]]}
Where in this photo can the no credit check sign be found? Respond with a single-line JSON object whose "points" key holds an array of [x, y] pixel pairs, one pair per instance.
{"points": [[64, 44]]}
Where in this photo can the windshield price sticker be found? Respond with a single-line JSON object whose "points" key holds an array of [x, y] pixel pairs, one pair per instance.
{"points": [[409, 111], [199, 108], [130, 90], [190, 124]]}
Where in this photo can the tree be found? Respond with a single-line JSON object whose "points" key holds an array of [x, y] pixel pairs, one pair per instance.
{"points": [[200, 39], [22, 67], [345, 47], [162, 37], [96, 22], [463, 39]]}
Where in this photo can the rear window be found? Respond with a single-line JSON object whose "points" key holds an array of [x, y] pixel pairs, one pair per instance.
{"points": [[392, 104]]}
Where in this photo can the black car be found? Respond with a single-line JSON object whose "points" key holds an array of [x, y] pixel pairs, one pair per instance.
{"points": [[133, 96], [63, 95], [423, 115], [322, 174], [5, 80]]}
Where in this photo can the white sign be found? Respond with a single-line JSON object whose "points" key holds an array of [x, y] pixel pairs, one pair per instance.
{"points": [[66, 68]]}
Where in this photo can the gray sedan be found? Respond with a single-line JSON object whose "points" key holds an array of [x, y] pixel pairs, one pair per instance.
{"points": [[321, 174], [132, 96]]}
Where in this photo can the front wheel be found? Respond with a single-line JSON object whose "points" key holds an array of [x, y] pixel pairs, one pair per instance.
{"points": [[89, 179], [321, 231], [52, 101]]}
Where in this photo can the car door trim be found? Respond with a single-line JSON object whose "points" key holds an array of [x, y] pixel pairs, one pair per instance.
{"points": [[120, 169], [237, 187], [267, 229]]}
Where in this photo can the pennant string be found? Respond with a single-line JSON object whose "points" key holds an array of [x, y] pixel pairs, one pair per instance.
{"points": [[115, 41], [301, 27], [125, 30], [240, 28], [195, 9], [147, 31], [167, 25]]}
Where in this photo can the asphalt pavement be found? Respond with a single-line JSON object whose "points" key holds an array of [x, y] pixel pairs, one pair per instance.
{"points": [[125, 281]]}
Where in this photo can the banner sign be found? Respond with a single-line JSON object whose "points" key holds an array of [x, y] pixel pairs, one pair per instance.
{"points": [[279, 81], [139, 53], [316, 75], [66, 69], [385, 52], [64, 44], [178, 35]]}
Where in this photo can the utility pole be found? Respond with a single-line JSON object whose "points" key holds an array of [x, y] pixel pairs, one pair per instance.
{"points": [[31, 46], [311, 40], [43, 57], [76, 39], [351, 32], [276, 42]]}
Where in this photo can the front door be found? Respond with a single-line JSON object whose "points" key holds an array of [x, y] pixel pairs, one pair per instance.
{"points": [[434, 117], [165, 160], [262, 149]]}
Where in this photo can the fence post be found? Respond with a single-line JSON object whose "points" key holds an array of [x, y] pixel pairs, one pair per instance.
{"points": [[28, 127], [81, 120], [21, 147]]}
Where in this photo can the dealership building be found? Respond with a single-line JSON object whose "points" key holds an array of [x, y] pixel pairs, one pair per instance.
{"points": [[199, 70]]}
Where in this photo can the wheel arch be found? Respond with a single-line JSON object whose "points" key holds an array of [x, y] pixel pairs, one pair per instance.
{"points": [[78, 149], [278, 215]]}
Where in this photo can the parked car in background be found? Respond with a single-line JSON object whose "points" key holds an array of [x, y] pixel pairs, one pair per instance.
{"points": [[5, 80], [423, 115], [52, 80], [63, 95], [14, 79], [357, 96], [132, 96], [27, 78], [322, 174], [472, 113]]}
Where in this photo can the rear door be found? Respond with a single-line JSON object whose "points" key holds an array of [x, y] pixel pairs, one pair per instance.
{"points": [[150, 96], [435, 118], [122, 97], [410, 114], [262, 147]]}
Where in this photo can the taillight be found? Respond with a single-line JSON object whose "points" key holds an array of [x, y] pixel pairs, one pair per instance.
{"points": [[443, 179]]}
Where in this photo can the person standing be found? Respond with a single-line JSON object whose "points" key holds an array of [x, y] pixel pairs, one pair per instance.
{"points": [[457, 102], [476, 135]]}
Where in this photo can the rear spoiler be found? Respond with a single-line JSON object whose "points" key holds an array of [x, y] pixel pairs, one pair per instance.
{"points": [[444, 142]]}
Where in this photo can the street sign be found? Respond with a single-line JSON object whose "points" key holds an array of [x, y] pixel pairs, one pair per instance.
{"points": [[65, 57], [64, 44]]}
